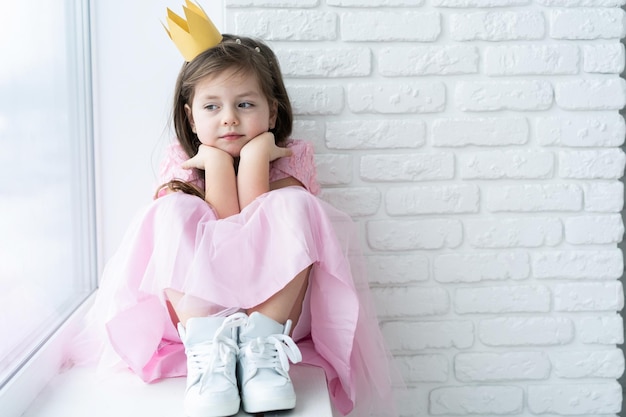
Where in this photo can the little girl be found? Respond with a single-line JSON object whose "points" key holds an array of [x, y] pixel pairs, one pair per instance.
{"points": [[237, 267]]}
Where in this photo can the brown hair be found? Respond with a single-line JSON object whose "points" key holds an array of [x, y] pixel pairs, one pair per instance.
{"points": [[244, 55]]}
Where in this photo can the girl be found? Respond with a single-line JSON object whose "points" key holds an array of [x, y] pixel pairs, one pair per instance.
{"points": [[235, 250]]}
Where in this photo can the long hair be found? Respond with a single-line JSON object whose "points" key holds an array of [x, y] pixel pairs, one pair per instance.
{"points": [[245, 56]]}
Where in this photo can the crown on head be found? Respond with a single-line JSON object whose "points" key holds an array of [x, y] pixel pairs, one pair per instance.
{"points": [[194, 35]]}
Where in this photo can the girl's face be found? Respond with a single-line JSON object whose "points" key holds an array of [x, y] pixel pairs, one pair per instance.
{"points": [[228, 110]]}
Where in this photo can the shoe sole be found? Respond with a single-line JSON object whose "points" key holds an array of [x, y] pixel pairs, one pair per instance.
{"points": [[264, 405]]}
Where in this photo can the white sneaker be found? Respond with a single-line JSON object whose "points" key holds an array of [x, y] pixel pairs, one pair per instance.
{"points": [[264, 353], [211, 348]]}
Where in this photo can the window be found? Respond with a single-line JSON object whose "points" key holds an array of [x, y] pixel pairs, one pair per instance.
{"points": [[47, 214]]}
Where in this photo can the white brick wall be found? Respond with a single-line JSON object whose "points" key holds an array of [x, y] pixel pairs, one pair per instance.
{"points": [[477, 145]]}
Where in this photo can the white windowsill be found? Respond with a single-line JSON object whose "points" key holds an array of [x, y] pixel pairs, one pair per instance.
{"points": [[82, 392]]}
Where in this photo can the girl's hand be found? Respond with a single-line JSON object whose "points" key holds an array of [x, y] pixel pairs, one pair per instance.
{"points": [[206, 155], [264, 144]]}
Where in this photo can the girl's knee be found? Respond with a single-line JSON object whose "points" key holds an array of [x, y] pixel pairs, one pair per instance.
{"points": [[293, 196], [179, 204]]}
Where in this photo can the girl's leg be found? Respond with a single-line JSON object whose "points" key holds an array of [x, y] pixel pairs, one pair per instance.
{"points": [[282, 306], [185, 307], [286, 304], [262, 376], [211, 348]]}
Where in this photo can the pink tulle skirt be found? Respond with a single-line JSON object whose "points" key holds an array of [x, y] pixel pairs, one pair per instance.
{"points": [[238, 262]]}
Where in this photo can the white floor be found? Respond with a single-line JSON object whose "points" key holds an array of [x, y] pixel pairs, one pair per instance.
{"points": [[80, 392]]}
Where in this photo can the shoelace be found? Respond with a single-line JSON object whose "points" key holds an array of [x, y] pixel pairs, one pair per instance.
{"points": [[216, 355], [272, 352]]}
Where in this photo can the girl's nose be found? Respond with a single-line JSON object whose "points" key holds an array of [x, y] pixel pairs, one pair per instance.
{"points": [[229, 118]]}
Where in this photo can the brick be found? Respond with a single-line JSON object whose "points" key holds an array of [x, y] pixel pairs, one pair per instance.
{"points": [[324, 63], [490, 367], [287, 25], [398, 302], [525, 95], [270, 3], [356, 201], [507, 165], [604, 330], [374, 3], [316, 99], [333, 169], [411, 401], [423, 368], [478, 3], [575, 399], [531, 60], [481, 400], [526, 331], [497, 26], [604, 196], [375, 134], [589, 296], [395, 98], [312, 130], [393, 235], [527, 232], [397, 269], [588, 364], [428, 60], [594, 230], [385, 26], [407, 167], [432, 200], [592, 164], [534, 198], [604, 58], [480, 131], [476, 267], [578, 264], [502, 299], [420, 335], [587, 23], [581, 3], [603, 130], [591, 94]]}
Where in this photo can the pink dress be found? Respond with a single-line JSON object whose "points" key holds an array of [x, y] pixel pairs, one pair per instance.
{"points": [[177, 242]]}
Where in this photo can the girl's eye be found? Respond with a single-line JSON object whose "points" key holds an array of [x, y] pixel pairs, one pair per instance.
{"points": [[210, 106], [246, 105]]}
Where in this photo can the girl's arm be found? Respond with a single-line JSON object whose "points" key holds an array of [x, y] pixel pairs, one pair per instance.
{"points": [[220, 181], [254, 167]]}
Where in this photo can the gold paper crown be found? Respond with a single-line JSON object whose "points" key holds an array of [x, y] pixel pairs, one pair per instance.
{"points": [[195, 35]]}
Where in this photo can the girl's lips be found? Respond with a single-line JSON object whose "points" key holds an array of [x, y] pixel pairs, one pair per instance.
{"points": [[231, 136]]}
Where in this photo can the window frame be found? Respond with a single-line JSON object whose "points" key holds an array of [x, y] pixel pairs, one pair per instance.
{"points": [[45, 360]]}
